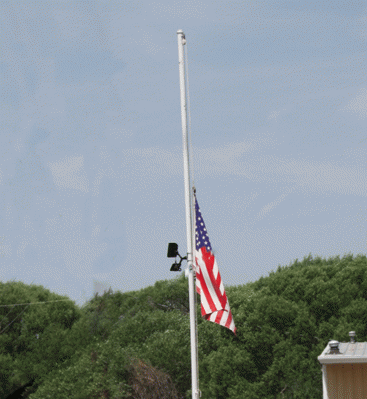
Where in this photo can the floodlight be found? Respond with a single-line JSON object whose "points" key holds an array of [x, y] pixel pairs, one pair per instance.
{"points": [[172, 252]]}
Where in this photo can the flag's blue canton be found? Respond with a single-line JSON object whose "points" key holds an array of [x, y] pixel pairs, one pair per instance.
{"points": [[202, 238]]}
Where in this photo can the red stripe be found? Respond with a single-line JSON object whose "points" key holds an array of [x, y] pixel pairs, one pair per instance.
{"points": [[209, 259], [229, 320], [209, 262], [196, 275], [219, 317]]}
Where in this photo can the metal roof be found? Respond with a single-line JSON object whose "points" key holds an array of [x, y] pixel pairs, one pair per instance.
{"points": [[349, 353]]}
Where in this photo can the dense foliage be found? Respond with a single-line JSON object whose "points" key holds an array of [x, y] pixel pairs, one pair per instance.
{"points": [[137, 344]]}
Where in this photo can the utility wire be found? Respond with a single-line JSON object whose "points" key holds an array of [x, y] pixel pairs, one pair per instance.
{"points": [[31, 303], [13, 320], [36, 303]]}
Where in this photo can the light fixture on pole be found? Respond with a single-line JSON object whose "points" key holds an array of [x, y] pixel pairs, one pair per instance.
{"points": [[172, 252]]}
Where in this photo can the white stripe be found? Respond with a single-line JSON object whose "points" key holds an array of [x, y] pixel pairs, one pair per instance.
{"points": [[210, 287], [215, 268], [221, 286], [198, 285], [203, 298], [204, 301], [213, 316], [224, 318]]}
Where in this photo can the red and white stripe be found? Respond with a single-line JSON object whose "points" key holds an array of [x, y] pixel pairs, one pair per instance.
{"points": [[209, 285]]}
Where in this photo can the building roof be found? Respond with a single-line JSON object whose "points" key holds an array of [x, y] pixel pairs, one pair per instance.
{"points": [[349, 353]]}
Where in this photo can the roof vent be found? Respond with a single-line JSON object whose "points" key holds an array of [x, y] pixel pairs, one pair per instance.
{"points": [[352, 335], [334, 348]]}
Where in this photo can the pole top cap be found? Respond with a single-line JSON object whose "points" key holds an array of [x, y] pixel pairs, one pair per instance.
{"points": [[180, 31]]}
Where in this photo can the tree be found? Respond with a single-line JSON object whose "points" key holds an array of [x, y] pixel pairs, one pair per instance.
{"points": [[20, 351], [138, 343]]}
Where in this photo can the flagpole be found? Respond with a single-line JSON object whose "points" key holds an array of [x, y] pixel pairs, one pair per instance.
{"points": [[188, 207]]}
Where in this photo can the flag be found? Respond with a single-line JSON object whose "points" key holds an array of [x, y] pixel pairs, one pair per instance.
{"points": [[209, 285]]}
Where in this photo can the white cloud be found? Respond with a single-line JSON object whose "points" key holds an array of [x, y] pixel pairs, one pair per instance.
{"points": [[105, 169], [73, 30], [153, 161], [19, 145], [322, 176], [79, 254], [96, 230], [69, 173], [5, 248], [358, 104], [306, 175], [100, 287], [267, 208], [22, 246], [179, 10], [275, 114], [361, 25], [220, 160], [66, 243], [311, 175]]}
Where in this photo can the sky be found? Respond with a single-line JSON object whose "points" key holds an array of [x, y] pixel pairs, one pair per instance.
{"points": [[91, 155]]}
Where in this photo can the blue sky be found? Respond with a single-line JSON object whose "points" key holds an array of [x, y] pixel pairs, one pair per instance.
{"points": [[91, 163]]}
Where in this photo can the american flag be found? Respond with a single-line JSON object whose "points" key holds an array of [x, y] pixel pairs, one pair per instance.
{"points": [[209, 285]]}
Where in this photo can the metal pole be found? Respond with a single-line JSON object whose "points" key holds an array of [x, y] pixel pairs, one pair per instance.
{"points": [[188, 197]]}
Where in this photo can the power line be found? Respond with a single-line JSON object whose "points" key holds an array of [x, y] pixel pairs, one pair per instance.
{"points": [[31, 303], [36, 303], [12, 321]]}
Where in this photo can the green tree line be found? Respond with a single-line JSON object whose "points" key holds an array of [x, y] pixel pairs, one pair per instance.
{"points": [[137, 344]]}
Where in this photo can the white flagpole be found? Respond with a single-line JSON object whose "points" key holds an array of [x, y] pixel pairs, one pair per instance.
{"points": [[188, 198]]}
